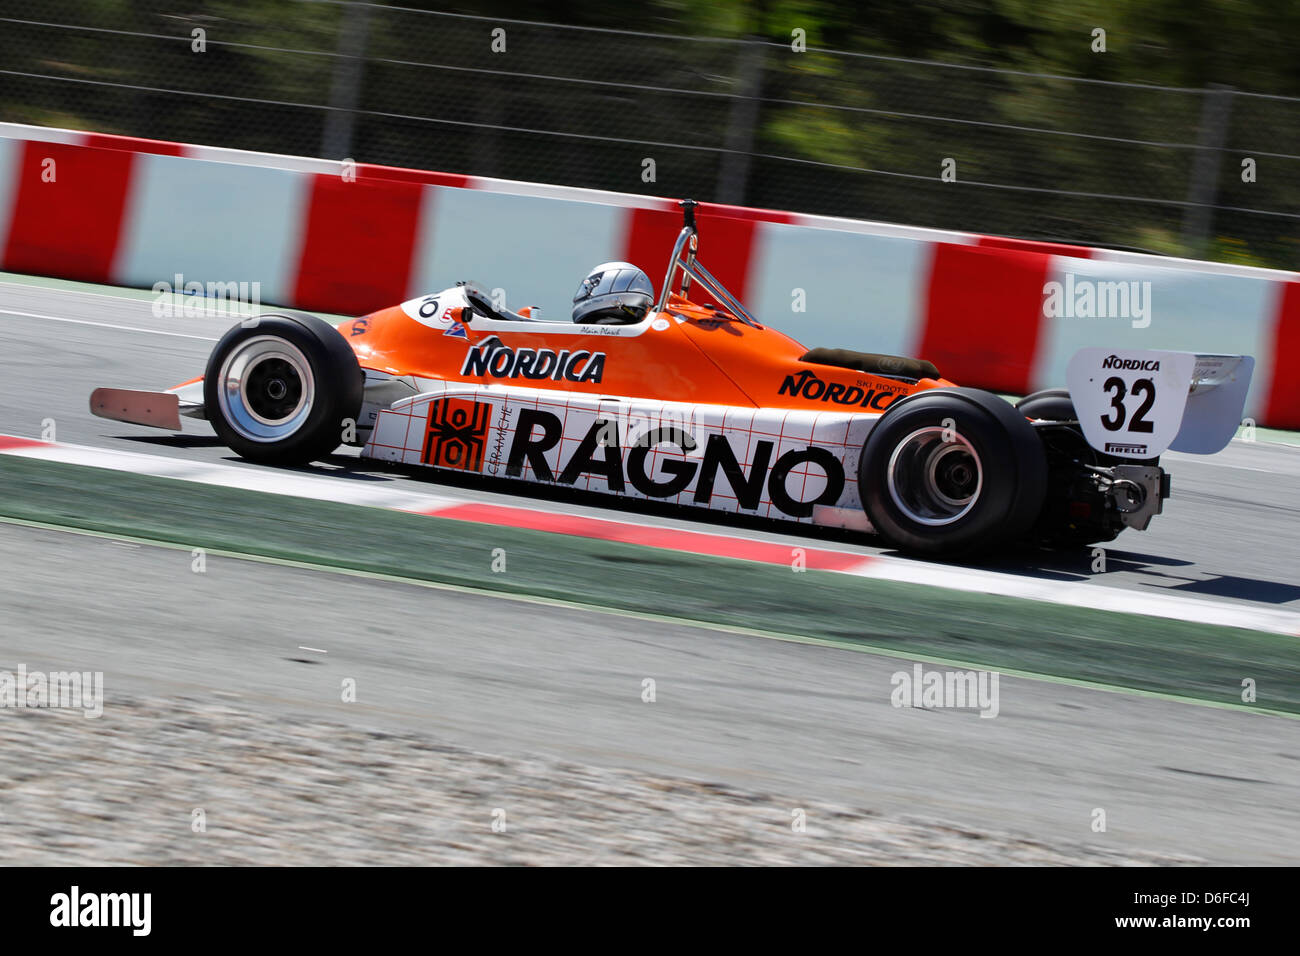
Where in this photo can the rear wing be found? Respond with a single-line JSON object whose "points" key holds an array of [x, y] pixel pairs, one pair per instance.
{"points": [[1135, 403]]}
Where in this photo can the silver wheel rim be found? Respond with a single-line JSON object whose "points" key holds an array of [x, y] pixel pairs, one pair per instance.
{"points": [[265, 389], [935, 482]]}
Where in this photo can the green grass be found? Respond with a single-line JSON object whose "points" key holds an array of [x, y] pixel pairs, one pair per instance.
{"points": [[1154, 655]]}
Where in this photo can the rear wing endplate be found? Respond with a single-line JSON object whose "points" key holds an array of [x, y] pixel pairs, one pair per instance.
{"points": [[1136, 403]]}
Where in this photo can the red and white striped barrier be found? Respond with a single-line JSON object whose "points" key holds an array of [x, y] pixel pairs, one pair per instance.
{"points": [[137, 212]]}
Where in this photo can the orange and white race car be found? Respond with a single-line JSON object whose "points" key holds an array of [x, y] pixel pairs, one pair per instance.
{"points": [[693, 401]]}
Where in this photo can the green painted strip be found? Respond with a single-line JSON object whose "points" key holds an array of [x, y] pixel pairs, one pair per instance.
{"points": [[860, 647], [1173, 659]]}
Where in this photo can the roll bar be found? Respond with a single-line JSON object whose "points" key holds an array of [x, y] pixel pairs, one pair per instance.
{"points": [[688, 239]]}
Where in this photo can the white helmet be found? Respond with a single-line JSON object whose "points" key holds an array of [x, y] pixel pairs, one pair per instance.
{"points": [[614, 293]]}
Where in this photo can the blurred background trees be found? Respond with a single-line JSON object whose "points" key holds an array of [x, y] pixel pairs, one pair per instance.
{"points": [[1141, 146]]}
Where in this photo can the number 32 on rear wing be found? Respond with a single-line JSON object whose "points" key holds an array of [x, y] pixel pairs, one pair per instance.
{"points": [[1137, 403]]}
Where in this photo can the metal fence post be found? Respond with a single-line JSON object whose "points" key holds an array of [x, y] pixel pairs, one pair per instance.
{"points": [[1204, 184], [345, 85], [733, 172]]}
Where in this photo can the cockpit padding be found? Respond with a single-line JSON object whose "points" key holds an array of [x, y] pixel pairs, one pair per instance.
{"points": [[891, 366]]}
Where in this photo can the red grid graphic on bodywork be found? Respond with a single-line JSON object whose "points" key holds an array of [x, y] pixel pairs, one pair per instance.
{"points": [[743, 429]]}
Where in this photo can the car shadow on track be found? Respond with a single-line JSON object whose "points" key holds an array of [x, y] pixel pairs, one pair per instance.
{"points": [[1155, 573], [172, 441]]}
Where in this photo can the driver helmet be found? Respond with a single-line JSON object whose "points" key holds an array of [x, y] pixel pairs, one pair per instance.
{"points": [[614, 293]]}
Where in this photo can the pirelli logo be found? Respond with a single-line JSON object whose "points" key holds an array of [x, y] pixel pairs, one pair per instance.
{"points": [[457, 433], [1124, 448]]}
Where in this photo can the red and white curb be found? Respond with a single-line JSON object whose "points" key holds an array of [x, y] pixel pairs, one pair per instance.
{"points": [[629, 531]]}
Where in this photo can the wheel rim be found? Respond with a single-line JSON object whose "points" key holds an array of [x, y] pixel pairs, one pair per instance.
{"points": [[932, 481], [265, 389]]}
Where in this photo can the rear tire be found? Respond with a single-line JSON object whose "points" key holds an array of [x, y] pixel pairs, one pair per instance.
{"points": [[948, 471], [281, 391], [1052, 404]]}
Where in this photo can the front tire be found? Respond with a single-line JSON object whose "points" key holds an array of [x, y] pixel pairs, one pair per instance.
{"points": [[281, 391], [948, 471]]}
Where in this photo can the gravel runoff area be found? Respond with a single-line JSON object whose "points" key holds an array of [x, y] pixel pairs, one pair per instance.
{"points": [[178, 782]]}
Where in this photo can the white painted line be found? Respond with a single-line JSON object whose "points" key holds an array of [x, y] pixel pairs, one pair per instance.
{"points": [[1213, 463], [131, 295], [1085, 594], [122, 294], [245, 477], [107, 325]]}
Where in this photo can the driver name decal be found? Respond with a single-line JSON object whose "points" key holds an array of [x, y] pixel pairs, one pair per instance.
{"points": [[494, 358]]}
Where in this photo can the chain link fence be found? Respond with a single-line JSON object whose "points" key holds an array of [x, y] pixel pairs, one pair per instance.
{"points": [[743, 121]]}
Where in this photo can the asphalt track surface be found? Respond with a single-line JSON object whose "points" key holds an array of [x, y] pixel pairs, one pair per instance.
{"points": [[514, 677], [1231, 532], [807, 723]]}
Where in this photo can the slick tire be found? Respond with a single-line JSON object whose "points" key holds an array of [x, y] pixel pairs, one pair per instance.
{"points": [[952, 471], [282, 391], [1051, 404]]}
